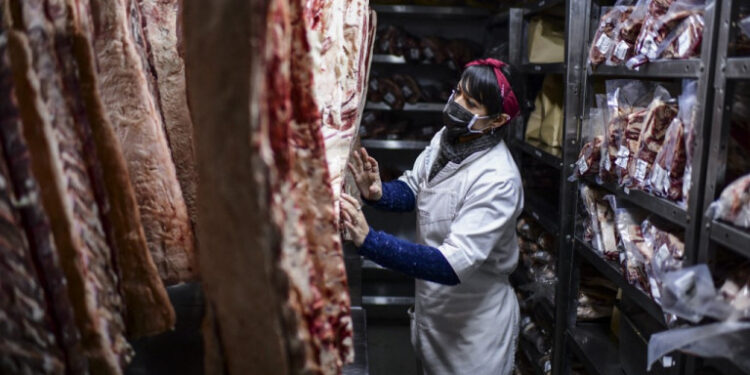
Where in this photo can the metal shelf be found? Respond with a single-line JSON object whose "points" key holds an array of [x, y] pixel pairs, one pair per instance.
{"points": [[539, 154], [692, 68], [540, 6], [388, 59], [387, 301], [417, 107], [732, 237], [593, 345], [662, 207], [392, 144], [613, 272], [737, 68], [368, 264], [534, 207], [434, 11], [549, 68]]}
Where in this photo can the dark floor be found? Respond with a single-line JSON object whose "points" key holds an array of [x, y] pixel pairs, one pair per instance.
{"points": [[389, 349]]}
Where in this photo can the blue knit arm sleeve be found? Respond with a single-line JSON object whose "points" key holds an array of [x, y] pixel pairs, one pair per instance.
{"points": [[397, 197], [419, 261]]}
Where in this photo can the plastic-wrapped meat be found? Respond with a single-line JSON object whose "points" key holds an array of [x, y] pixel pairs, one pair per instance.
{"points": [[625, 38], [629, 144], [373, 91], [392, 94], [433, 49], [603, 41], [459, 52], [589, 158], [658, 29], [411, 48], [387, 42], [660, 116], [636, 252], [669, 165], [615, 129], [733, 205], [685, 41], [409, 87], [606, 217], [659, 7]]}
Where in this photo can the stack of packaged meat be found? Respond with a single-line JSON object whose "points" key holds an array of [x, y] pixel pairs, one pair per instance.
{"points": [[733, 205], [383, 125], [645, 250], [537, 248], [647, 31], [400, 89], [596, 295], [393, 40], [639, 141]]}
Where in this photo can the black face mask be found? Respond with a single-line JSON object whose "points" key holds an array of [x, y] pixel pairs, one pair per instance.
{"points": [[458, 120]]}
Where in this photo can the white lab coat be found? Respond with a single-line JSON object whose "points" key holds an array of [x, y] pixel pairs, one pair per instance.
{"points": [[468, 211]]}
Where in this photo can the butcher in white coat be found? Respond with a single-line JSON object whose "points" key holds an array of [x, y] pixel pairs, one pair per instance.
{"points": [[467, 191]]}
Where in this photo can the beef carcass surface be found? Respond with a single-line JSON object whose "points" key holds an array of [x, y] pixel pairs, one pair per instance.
{"points": [[64, 159], [36, 224], [233, 209], [149, 310], [132, 108], [160, 27]]}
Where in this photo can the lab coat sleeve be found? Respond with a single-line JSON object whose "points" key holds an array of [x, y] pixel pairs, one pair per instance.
{"points": [[480, 223], [413, 177]]}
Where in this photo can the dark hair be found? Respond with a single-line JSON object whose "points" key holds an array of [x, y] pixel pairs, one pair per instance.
{"points": [[480, 83]]}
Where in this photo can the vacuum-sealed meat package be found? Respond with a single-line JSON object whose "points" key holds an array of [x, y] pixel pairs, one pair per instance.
{"points": [[733, 205], [592, 134], [635, 253], [677, 34], [623, 98], [666, 175], [661, 112], [668, 254], [629, 144], [604, 39], [627, 33]]}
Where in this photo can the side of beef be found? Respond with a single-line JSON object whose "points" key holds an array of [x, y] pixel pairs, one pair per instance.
{"points": [[128, 97], [62, 143]]}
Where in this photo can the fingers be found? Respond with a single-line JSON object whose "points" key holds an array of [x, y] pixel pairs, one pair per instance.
{"points": [[357, 160], [355, 172], [373, 164], [365, 160], [349, 199]]}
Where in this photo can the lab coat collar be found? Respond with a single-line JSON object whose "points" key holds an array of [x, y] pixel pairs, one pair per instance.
{"points": [[452, 168]]}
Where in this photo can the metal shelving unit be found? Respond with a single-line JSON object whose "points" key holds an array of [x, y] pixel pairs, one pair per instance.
{"points": [[431, 11], [539, 154], [593, 344], [730, 70], [416, 107], [393, 144]]}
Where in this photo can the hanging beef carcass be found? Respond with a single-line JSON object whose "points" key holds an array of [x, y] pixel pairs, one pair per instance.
{"points": [[59, 136], [130, 96]]}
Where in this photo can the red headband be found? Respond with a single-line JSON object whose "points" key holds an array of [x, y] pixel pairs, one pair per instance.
{"points": [[510, 102]]}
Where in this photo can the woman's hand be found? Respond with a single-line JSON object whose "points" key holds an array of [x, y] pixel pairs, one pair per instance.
{"points": [[354, 220], [366, 174]]}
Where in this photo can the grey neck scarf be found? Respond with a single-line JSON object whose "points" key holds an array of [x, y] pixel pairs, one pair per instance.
{"points": [[451, 150]]}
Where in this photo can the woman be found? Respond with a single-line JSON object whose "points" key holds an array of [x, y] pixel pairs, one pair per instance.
{"points": [[468, 194]]}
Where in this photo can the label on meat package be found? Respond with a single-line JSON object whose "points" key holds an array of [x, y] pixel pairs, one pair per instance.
{"points": [[641, 167], [407, 91], [374, 84], [659, 179], [428, 53], [582, 166], [621, 50], [603, 43], [414, 53], [622, 157], [389, 98]]}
